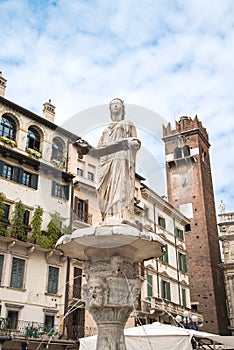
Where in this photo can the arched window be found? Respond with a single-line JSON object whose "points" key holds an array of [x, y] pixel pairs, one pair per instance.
{"points": [[57, 150], [186, 151], [33, 139], [177, 153], [8, 127]]}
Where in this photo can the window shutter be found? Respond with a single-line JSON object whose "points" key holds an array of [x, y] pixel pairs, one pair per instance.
{"points": [[149, 286], [1, 166], [182, 234], [26, 217], [184, 263], [183, 297], [16, 174], [53, 188], [165, 257], [35, 181], [163, 289], [76, 205], [53, 280], [168, 290], [17, 273], [86, 211], [66, 192], [1, 266]]}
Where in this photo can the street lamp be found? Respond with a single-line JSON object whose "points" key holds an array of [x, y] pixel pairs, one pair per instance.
{"points": [[186, 321]]}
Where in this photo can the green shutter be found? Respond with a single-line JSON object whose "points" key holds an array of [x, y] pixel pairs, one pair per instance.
{"points": [[1, 166], [149, 286], [183, 296], [163, 289], [18, 174], [66, 192], [182, 234], [17, 273], [35, 181], [184, 263], [1, 266], [53, 188], [53, 280], [168, 287], [165, 256]]}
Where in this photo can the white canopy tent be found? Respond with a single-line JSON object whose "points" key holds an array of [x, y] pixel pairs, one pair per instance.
{"points": [[157, 336]]}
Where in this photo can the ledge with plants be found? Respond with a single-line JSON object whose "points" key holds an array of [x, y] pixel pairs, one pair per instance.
{"points": [[8, 142], [33, 153]]}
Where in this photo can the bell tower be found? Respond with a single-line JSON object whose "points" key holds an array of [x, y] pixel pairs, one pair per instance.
{"points": [[190, 190]]}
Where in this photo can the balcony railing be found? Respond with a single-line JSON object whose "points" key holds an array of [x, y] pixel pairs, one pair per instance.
{"points": [[83, 217], [27, 329], [159, 305]]}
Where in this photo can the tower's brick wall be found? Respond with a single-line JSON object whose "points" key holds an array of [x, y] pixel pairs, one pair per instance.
{"points": [[189, 182]]}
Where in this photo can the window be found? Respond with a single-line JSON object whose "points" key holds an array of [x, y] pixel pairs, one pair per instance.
{"points": [[49, 322], [60, 191], [179, 233], [7, 171], [26, 179], [53, 280], [57, 150], [13, 315], [182, 262], [166, 290], [181, 152], [17, 273], [165, 257], [7, 211], [79, 172], [18, 175], [90, 176], [183, 292], [81, 209], [162, 222], [91, 172], [1, 266], [33, 139], [149, 286], [8, 127], [77, 283], [26, 217]]}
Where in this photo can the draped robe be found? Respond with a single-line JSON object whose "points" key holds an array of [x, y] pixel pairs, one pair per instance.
{"points": [[116, 171]]}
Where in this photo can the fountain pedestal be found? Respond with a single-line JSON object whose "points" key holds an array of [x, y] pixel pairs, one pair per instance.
{"points": [[110, 256]]}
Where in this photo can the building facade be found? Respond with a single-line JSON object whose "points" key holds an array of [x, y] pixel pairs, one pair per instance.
{"points": [[190, 190], [226, 229], [41, 290]]}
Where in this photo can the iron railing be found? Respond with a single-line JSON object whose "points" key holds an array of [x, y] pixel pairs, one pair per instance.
{"points": [[29, 329]]}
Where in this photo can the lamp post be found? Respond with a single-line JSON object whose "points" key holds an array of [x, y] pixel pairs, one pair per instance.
{"points": [[186, 320]]}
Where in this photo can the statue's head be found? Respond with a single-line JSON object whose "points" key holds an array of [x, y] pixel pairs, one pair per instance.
{"points": [[117, 109]]}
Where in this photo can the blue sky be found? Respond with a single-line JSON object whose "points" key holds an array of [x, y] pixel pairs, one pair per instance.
{"points": [[172, 57]]}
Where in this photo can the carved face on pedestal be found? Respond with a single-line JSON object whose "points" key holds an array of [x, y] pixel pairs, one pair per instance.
{"points": [[97, 291]]}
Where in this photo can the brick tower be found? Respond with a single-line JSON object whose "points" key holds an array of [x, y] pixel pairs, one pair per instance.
{"points": [[190, 190]]}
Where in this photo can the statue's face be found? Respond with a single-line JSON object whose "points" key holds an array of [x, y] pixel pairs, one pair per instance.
{"points": [[116, 108]]}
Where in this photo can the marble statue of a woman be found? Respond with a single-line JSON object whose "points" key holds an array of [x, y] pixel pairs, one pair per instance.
{"points": [[116, 149]]}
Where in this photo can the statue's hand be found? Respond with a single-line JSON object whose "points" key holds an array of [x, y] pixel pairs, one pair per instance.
{"points": [[83, 147], [134, 144]]}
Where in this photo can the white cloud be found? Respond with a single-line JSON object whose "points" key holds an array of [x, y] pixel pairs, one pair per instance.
{"points": [[174, 57]]}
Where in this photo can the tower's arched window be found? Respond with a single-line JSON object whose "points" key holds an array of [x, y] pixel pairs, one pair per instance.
{"points": [[8, 127], [177, 153], [57, 150], [186, 151], [33, 139]]}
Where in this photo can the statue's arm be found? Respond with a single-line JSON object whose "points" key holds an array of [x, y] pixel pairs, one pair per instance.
{"points": [[106, 149]]}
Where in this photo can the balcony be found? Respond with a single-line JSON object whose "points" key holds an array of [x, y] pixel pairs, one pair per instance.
{"points": [[158, 306], [28, 329], [81, 220]]}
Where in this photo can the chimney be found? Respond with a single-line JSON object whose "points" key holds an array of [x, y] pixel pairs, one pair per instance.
{"points": [[2, 85], [49, 111]]}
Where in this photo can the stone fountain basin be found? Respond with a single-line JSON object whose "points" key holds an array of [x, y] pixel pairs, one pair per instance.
{"points": [[108, 240]]}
